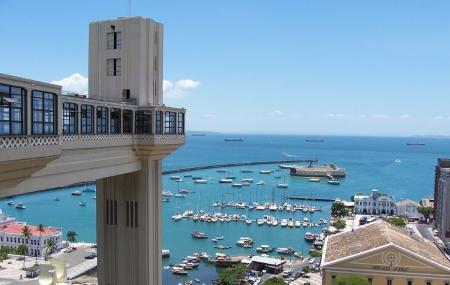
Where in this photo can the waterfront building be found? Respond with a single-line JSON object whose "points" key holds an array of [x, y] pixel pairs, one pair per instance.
{"points": [[375, 203], [272, 265], [442, 199], [11, 236], [408, 209], [117, 135], [384, 254], [311, 170]]}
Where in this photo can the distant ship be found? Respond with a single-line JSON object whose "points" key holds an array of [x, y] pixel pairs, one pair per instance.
{"points": [[234, 140], [315, 140], [415, 143]]}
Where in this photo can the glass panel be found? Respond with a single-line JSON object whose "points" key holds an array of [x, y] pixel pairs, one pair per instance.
{"points": [[118, 40], [37, 128], [16, 114], [110, 40], [37, 116], [16, 90], [48, 117], [110, 67], [118, 67], [4, 128], [4, 90], [37, 94], [37, 103], [4, 113], [16, 128]]}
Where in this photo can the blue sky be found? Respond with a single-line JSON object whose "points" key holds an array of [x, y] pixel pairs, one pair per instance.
{"points": [[252, 66]]}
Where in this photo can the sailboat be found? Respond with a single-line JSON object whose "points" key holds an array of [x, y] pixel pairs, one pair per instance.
{"points": [[283, 185]]}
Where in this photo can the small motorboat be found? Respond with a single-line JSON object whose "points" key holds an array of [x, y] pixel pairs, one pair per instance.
{"points": [[167, 193], [309, 236], [248, 180], [95, 197], [334, 182], [199, 235], [284, 222], [183, 191], [82, 204], [165, 253], [248, 222], [177, 217], [225, 180], [264, 249], [179, 270], [260, 183], [178, 195], [297, 224], [201, 181], [56, 199], [175, 177], [76, 193], [20, 206], [285, 250], [237, 185], [282, 185], [247, 171], [265, 171], [187, 175], [10, 203], [314, 179]]}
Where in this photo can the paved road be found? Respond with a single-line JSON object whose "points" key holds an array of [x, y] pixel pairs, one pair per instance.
{"points": [[425, 231]]}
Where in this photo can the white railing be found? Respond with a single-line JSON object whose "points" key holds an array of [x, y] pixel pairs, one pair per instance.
{"points": [[27, 141]]}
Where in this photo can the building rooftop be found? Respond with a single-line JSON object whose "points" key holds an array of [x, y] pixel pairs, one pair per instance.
{"points": [[16, 229], [268, 260], [378, 234]]}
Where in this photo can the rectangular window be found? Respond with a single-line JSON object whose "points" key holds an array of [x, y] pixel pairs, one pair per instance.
{"points": [[169, 122], [389, 282], [180, 123], [409, 282], [143, 122], [87, 119], [12, 110], [70, 118], [115, 120], [43, 113], [127, 121], [102, 120], [159, 122], [114, 67], [370, 280], [114, 40], [428, 282]]}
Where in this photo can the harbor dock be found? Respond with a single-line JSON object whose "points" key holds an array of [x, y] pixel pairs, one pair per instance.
{"points": [[303, 198], [225, 165]]}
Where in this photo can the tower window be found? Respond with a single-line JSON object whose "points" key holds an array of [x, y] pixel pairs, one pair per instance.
{"points": [[114, 40], [114, 67]]}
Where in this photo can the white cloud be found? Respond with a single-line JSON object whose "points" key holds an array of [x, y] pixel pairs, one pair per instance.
{"points": [[405, 116], [180, 88], [276, 113], [75, 82], [441, 118]]}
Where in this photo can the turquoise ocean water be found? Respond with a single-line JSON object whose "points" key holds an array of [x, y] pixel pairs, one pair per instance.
{"points": [[369, 162]]}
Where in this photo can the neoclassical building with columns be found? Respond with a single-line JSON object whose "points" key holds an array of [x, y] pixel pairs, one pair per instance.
{"points": [[117, 135]]}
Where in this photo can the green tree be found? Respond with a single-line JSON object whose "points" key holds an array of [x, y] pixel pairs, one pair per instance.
{"points": [[340, 224], [316, 254], [41, 230], [22, 250], [399, 222], [350, 280], [275, 281], [425, 211], [51, 246], [338, 209], [71, 237], [306, 269], [231, 275], [4, 251]]}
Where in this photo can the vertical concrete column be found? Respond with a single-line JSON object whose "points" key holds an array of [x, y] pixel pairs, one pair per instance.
{"points": [[129, 227]]}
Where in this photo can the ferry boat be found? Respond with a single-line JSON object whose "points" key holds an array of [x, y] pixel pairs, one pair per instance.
{"points": [[199, 235], [264, 249], [225, 180], [265, 171], [284, 250], [76, 193], [20, 206], [309, 236], [314, 179]]}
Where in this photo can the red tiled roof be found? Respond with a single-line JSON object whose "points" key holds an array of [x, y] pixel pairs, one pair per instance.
{"points": [[16, 229]]}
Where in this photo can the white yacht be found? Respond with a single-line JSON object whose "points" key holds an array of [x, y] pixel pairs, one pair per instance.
{"points": [[297, 224], [177, 217], [167, 193], [284, 222], [265, 172], [201, 181], [249, 180], [314, 179], [226, 180], [282, 185]]}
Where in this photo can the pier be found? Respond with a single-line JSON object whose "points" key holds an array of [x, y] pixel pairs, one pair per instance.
{"points": [[309, 198], [225, 165]]}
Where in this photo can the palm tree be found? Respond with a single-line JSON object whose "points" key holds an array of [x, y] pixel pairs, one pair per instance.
{"points": [[26, 233], [22, 250], [51, 246], [41, 230], [71, 236]]}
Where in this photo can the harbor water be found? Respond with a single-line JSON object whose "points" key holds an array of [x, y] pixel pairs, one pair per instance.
{"points": [[387, 164]]}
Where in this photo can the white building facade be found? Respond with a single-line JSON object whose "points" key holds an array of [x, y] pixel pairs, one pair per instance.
{"points": [[375, 203], [37, 243]]}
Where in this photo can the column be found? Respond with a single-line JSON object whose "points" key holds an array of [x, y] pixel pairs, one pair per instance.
{"points": [[129, 227]]}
